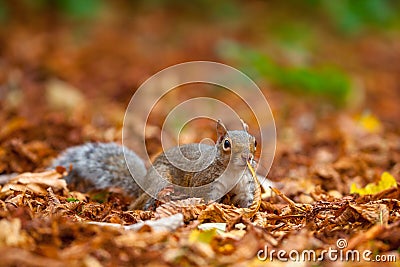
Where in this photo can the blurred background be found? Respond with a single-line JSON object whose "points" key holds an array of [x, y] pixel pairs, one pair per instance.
{"points": [[68, 68]]}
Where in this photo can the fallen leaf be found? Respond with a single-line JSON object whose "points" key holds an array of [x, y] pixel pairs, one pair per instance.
{"points": [[370, 123], [12, 235], [37, 182], [204, 236], [387, 181], [190, 208]]}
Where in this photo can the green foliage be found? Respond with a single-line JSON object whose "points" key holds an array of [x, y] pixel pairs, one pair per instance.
{"points": [[3, 11], [80, 9], [71, 199], [206, 9], [74, 9], [328, 82], [352, 16], [293, 34]]}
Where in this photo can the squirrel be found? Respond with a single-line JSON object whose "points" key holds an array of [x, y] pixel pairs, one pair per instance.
{"points": [[103, 165]]}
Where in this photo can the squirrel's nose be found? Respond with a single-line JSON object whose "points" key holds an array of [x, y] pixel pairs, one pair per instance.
{"points": [[247, 156]]}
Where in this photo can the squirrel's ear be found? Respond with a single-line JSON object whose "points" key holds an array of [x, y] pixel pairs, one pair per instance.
{"points": [[221, 131], [245, 126]]}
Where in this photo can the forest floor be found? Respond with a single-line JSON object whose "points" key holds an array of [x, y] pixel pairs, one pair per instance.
{"points": [[63, 84]]}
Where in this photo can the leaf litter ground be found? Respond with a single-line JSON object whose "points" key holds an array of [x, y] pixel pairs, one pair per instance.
{"points": [[322, 153]]}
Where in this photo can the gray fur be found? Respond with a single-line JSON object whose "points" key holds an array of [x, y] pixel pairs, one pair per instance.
{"points": [[242, 148], [102, 165], [243, 192]]}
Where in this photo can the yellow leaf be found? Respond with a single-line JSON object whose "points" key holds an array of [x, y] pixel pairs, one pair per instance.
{"points": [[202, 236], [353, 188], [227, 248], [387, 181], [370, 123]]}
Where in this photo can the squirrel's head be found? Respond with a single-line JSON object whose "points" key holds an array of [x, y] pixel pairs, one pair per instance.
{"points": [[238, 146]]}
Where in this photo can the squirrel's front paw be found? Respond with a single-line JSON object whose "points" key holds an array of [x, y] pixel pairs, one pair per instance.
{"points": [[150, 204], [244, 201]]}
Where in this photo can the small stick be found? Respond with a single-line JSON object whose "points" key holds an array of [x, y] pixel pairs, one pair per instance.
{"points": [[291, 203], [255, 206]]}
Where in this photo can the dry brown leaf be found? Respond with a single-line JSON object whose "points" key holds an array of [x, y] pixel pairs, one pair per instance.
{"points": [[217, 212], [77, 251], [16, 201], [36, 182], [260, 219], [139, 240], [78, 195], [13, 187], [362, 237], [12, 235], [302, 208], [21, 257], [190, 208], [374, 213], [246, 248]]}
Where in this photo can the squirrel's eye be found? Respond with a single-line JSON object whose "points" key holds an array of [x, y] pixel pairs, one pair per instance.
{"points": [[227, 145], [255, 143]]}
